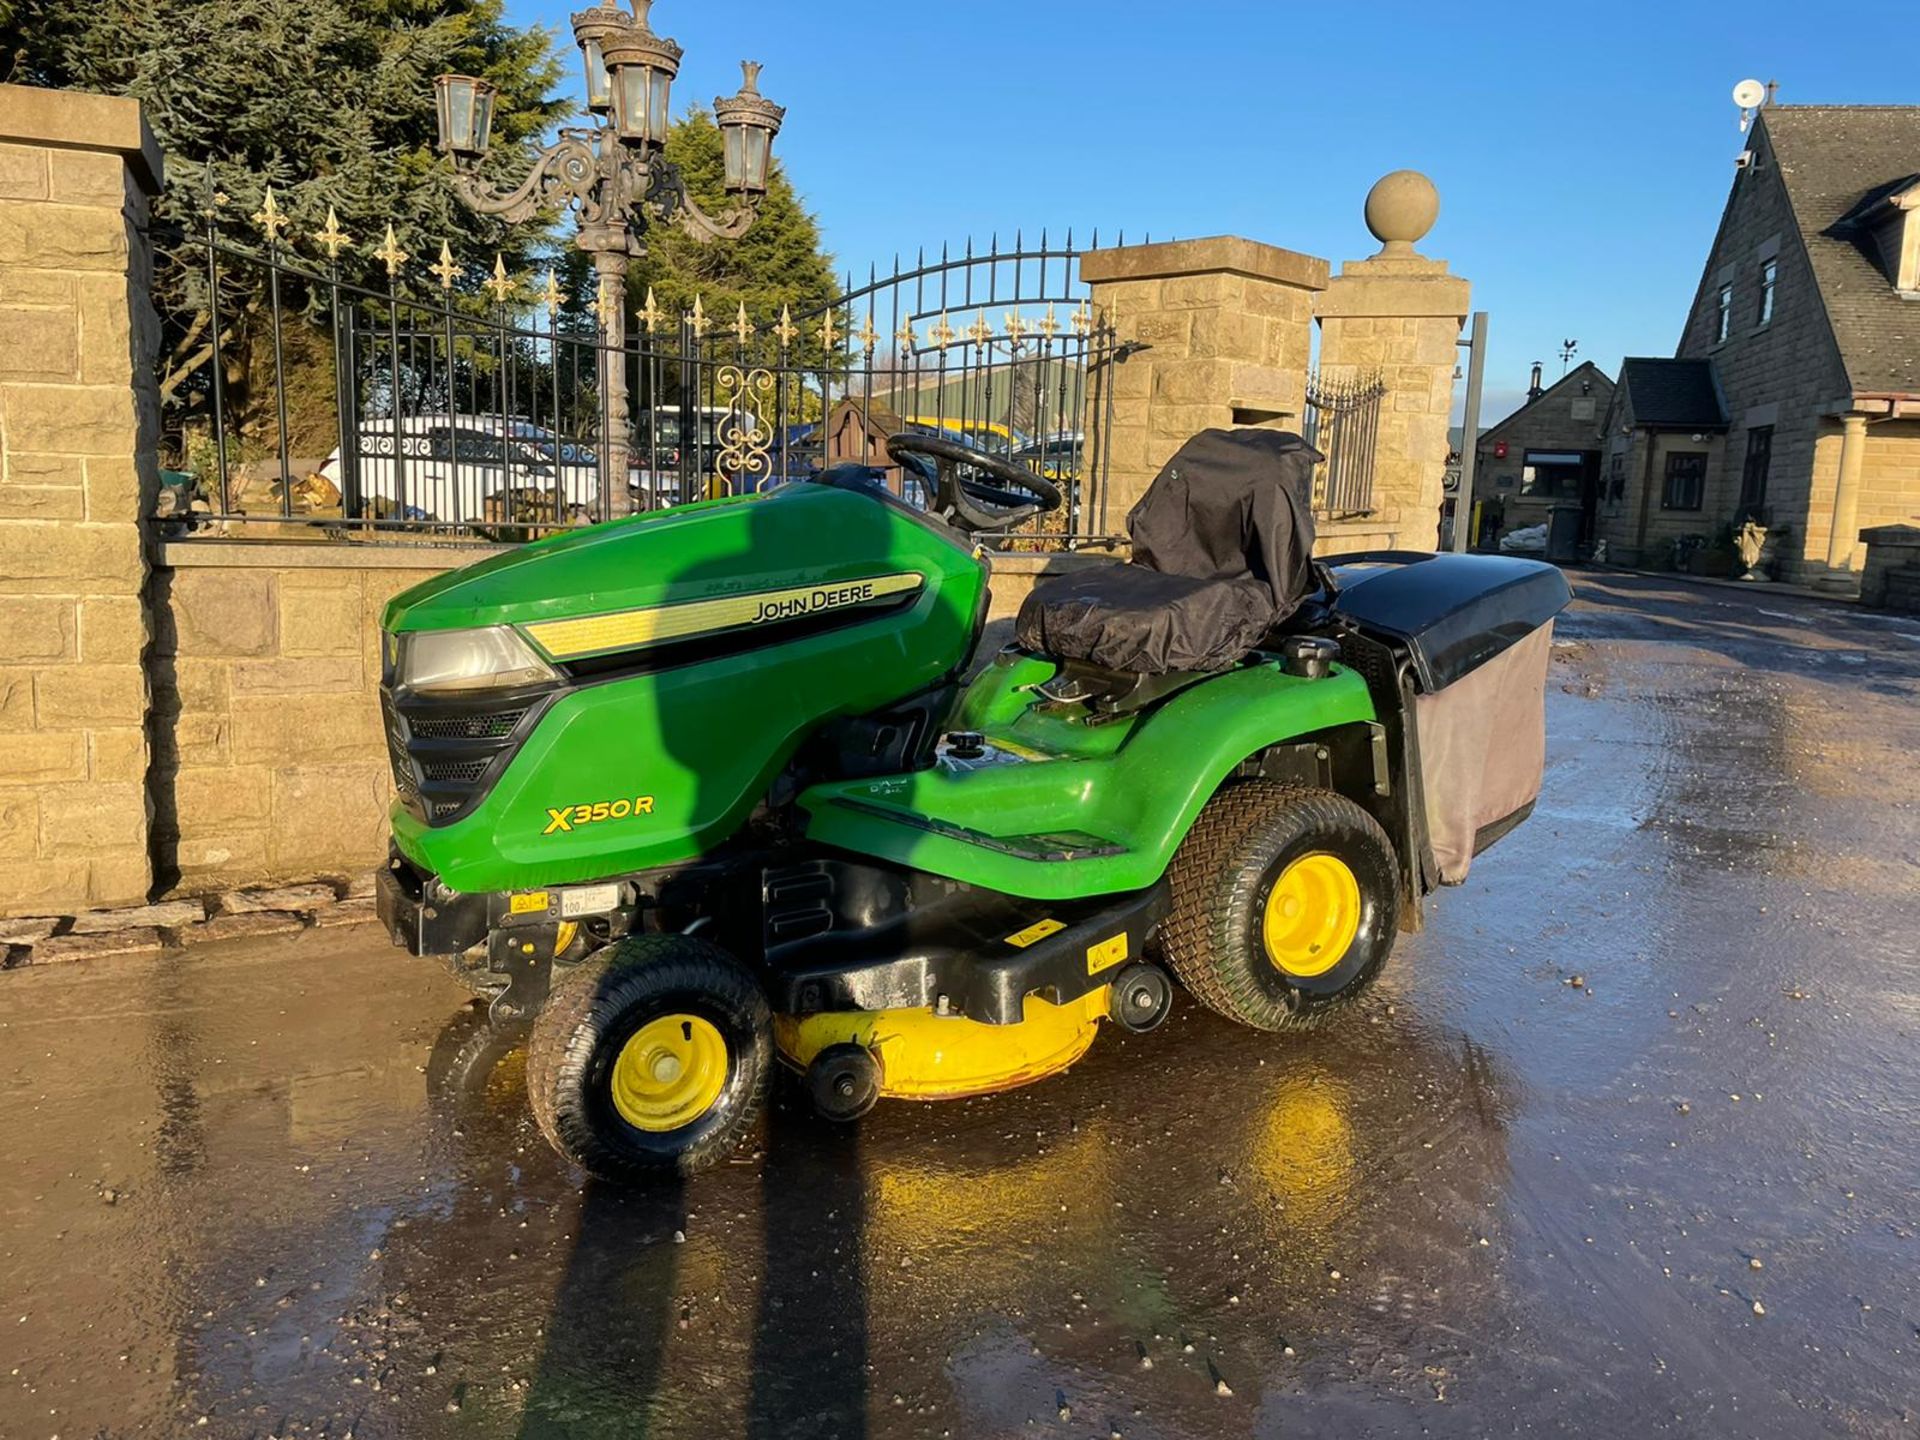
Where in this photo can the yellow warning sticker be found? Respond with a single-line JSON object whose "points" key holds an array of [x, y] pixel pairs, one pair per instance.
{"points": [[527, 903], [1106, 954], [1039, 930]]}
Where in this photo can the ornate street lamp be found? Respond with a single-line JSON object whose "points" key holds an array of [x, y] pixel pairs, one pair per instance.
{"points": [[748, 123], [613, 174]]}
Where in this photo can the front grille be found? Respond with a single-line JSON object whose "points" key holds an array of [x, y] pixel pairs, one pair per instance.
{"points": [[466, 771], [445, 756], [467, 727]]}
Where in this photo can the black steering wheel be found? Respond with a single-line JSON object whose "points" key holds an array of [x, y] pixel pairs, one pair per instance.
{"points": [[961, 489]]}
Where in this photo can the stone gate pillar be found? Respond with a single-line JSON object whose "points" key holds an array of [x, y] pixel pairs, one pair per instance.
{"points": [[1222, 326], [1399, 313], [78, 428]]}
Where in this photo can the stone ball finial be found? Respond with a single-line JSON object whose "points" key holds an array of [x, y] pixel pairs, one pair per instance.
{"points": [[1401, 207]]}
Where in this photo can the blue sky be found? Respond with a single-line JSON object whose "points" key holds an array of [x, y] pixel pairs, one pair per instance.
{"points": [[1582, 154]]}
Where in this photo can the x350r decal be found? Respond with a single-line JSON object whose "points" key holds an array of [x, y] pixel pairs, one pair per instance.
{"points": [[564, 818]]}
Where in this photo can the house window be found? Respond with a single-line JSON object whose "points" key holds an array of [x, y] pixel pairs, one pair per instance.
{"points": [[1753, 474], [1616, 476], [1769, 272], [1686, 480], [1551, 474], [1724, 325]]}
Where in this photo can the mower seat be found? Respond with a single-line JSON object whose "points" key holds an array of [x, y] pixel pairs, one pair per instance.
{"points": [[1133, 618], [1222, 547]]}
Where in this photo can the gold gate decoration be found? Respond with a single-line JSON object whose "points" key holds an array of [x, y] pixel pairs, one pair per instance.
{"points": [[746, 441]]}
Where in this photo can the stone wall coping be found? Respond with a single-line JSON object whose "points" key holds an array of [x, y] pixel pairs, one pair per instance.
{"points": [[1406, 297], [323, 555], [1215, 254], [1899, 535], [76, 120], [1018, 562], [316, 555]]}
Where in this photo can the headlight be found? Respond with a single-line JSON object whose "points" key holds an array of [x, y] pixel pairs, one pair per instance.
{"points": [[446, 662]]}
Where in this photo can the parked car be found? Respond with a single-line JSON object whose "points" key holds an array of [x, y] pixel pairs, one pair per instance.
{"points": [[986, 435], [472, 469], [1058, 457], [666, 451]]}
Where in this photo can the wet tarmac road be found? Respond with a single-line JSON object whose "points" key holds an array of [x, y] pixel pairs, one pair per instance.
{"points": [[1678, 1198]]}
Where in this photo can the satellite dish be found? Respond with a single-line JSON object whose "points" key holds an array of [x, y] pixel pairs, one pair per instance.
{"points": [[1749, 94]]}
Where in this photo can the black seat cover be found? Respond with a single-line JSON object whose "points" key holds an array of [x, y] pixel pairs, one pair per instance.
{"points": [[1222, 551]]}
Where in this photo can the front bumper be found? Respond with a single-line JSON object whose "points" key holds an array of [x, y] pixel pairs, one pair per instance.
{"points": [[443, 924]]}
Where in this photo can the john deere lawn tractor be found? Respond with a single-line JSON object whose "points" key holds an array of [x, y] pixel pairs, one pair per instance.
{"points": [[711, 790]]}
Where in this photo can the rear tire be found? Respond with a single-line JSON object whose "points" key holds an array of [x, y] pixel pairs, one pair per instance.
{"points": [[652, 1059], [1285, 902]]}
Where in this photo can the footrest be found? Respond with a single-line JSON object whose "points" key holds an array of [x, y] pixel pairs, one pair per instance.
{"points": [[1057, 845]]}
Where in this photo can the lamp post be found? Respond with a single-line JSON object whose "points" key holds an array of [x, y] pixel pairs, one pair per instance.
{"points": [[613, 175]]}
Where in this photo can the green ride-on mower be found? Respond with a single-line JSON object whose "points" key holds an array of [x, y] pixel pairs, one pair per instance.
{"points": [[711, 788]]}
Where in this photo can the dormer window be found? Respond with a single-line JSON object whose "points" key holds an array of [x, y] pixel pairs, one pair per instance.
{"points": [[1890, 220], [1769, 273]]}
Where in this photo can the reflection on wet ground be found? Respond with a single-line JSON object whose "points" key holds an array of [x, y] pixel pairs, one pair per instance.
{"points": [[289, 1188]]}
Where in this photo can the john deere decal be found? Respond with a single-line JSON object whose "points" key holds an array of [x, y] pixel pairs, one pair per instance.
{"points": [[630, 629]]}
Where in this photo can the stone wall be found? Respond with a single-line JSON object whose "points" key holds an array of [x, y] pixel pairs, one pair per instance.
{"points": [[78, 427], [1223, 326], [269, 762]]}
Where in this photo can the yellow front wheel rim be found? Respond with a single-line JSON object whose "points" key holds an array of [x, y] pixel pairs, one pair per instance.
{"points": [[669, 1073], [1312, 915]]}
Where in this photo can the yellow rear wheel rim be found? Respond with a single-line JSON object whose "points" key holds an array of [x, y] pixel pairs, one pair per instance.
{"points": [[1312, 915], [669, 1073]]}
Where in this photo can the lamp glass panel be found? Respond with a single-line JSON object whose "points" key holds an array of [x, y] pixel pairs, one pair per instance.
{"points": [[630, 101], [758, 145], [599, 87], [482, 121], [657, 106], [732, 137]]}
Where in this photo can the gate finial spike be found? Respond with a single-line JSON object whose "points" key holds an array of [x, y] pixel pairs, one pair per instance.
{"points": [[444, 269], [270, 219], [500, 284], [332, 238], [390, 254], [649, 315]]}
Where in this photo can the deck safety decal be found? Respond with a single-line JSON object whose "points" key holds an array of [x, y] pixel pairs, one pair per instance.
{"points": [[628, 629], [1106, 954], [1039, 930]]}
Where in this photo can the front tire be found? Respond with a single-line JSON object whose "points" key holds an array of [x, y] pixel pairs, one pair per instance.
{"points": [[1285, 902], [652, 1060]]}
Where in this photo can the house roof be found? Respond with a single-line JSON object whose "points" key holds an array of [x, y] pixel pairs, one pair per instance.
{"points": [[1682, 394], [1586, 369], [1839, 162]]}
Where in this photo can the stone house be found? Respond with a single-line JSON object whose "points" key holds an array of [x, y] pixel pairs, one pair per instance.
{"points": [[1661, 475], [1544, 455], [1794, 394]]}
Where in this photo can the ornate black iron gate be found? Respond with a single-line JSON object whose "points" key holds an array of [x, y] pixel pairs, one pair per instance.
{"points": [[1343, 423], [419, 397]]}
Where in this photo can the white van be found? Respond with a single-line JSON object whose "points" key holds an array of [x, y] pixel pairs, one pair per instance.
{"points": [[449, 467]]}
